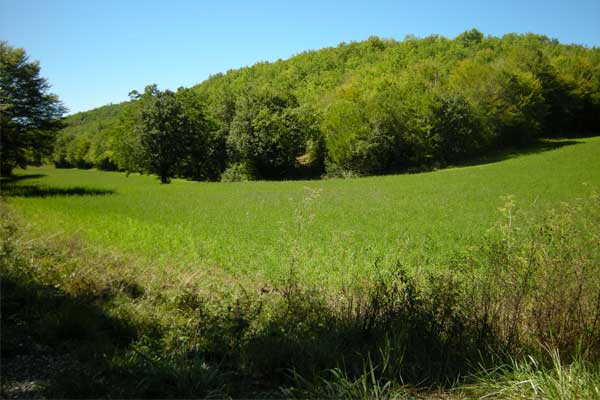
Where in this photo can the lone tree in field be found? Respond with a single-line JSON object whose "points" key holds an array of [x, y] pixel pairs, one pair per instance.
{"points": [[29, 115], [173, 131]]}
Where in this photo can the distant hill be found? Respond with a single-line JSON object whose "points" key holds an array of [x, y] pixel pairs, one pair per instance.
{"points": [[84, 139], [379, 105]]}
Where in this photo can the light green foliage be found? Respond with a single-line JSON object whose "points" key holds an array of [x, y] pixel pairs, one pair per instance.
{"points": [[381, 106], [238, 173], [128, 152], [351, 226], [89, 140]]}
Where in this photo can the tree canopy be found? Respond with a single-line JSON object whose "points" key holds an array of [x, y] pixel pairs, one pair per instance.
{"points": [[28, 112], [167, 134], [372, 107]]}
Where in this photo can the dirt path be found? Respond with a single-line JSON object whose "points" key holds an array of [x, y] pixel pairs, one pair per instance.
{"points": [[27, 368]]}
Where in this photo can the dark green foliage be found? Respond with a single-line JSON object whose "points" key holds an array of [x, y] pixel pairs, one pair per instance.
{"points": [[163, 126], [457, 129], [470, 38], [29, 115], [370, 107], [269, 133], [203, 156], [175, 135]]}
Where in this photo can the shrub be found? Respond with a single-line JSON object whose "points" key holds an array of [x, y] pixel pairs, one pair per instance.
{"points": [[241, 172], [269, 131], [543, 289]]}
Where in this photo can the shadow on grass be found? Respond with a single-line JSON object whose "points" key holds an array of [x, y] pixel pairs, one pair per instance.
{"points": [[11, 187], [75, 348], [46, 333], [540, 146], [12, 190], [16, 178]]}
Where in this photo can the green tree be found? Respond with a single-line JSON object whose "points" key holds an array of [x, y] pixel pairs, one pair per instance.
{"points": [[29, 114], [458, 133], [269, 132], [470, 37], [175, 134], [162, 125], [205, 153], [128, 152], [370, 107]]}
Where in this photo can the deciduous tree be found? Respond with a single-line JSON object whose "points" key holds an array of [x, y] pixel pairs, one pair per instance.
{"points": [[29, 114]]}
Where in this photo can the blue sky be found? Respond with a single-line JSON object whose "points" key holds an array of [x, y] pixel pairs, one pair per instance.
{"points": [[95, 52]]}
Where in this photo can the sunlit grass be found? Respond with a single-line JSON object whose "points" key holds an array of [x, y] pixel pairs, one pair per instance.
{"points": [[527, 379], [330, 230]]}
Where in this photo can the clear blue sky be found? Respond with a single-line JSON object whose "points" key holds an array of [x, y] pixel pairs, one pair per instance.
{"points": [[95, 52]]}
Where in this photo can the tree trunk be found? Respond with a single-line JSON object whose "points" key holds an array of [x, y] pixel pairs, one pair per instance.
{"points": [[6, 169]]}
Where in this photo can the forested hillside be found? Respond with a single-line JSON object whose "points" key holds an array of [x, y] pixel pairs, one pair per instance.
{"points": [[88, 139], [371, 107]]}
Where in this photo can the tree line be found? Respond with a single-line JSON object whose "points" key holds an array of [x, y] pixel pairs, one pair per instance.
{"points": [[372, 107]]}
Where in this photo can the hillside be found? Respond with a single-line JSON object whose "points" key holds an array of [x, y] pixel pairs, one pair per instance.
{"points": [[363, 108], [85, 141]]}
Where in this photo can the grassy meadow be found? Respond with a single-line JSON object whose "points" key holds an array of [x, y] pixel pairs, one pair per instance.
{"points": [[331, 230], [474, 281]]}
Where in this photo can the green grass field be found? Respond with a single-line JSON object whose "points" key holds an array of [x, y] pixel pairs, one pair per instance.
{"points": [[187, 290], [329, 230]]}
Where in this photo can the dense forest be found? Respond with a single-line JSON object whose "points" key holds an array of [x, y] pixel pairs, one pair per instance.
{"points": [[372, 107]]}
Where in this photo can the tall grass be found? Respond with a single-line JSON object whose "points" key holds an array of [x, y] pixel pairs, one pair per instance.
{"points": [[525, 288], [541, 286], [239, 230], [528, 378]]}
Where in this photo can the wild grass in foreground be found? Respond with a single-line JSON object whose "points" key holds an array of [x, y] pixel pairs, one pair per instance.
{"points": [[406, 333], [527, 379]]}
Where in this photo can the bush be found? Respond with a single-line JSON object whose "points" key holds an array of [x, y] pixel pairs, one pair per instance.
{"points": [[543, 289], [333, 170], [459, 134], [241, 172], [269, 131]]}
